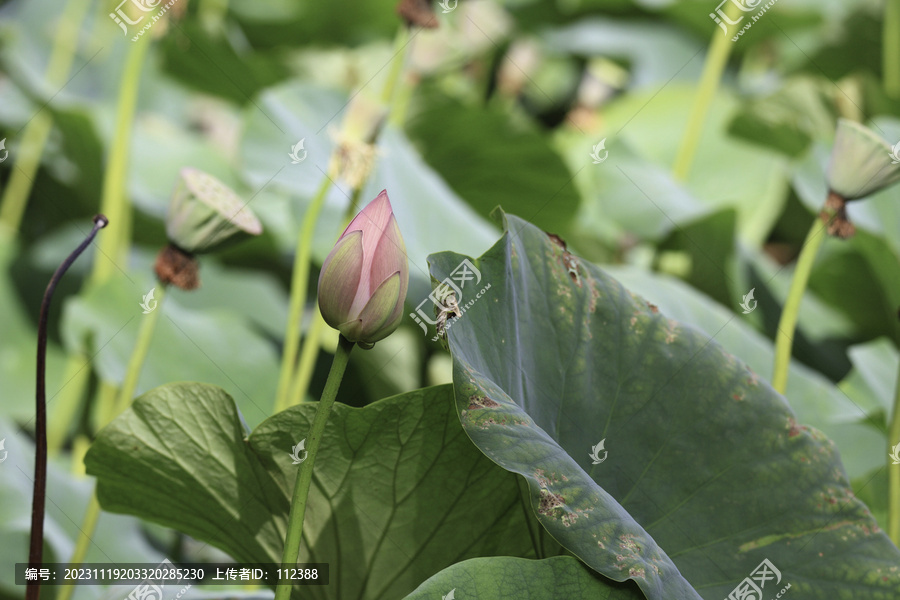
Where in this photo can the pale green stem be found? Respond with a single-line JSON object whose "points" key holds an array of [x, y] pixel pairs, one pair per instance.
{"points": [[891, 48], [108, 410], [307, 359], [294, 535], [310, 350], [400, 42], [138, 355], [112, 249], [894, 472], [34, 138], [716, 59], [787, 325], [299, 292], [104, 403], [64, 413], [88, 524]]}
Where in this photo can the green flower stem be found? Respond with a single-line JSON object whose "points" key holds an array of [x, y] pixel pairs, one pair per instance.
{"points": [[716, 59], [307, 359], [891, 48], [138, 357], [894, 472], [400, 42], [64, 413], [784, 337], [114, 203], [304, 477], [299, 292], [88, 525], [310, 350], [107, 411], [15, 198]]}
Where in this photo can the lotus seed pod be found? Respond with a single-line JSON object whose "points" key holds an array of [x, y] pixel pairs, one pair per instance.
{"points": [[861, 162], [206, 215]]}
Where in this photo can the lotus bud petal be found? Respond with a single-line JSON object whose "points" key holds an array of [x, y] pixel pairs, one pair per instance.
{"points": [[860, 162], [363, 282]]}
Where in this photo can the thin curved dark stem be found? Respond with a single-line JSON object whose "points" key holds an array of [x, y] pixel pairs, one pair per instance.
{"points": [[36, 549]]}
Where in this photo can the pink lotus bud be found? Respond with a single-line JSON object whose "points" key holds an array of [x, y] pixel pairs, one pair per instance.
{"points": [[362, 286]]}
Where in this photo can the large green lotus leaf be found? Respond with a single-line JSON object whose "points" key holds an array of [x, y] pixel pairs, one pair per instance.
{"points": [[664, 54], [399, 491], [726, 172], [706, 464], [555, 578], [454, 140], [815, 400], [873, 379], [214, 345]]}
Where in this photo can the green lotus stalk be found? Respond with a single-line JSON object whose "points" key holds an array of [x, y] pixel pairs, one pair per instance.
{"points": [[784, 336], [716, 59], [65, 414], [894, 470], [114, 202], [15, 198], [860, 165], [891, 48], [299, 285], [294, 535]]}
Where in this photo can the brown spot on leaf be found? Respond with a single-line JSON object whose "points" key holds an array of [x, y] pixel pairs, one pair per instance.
{"points": [[549, 502], [476, 402]]}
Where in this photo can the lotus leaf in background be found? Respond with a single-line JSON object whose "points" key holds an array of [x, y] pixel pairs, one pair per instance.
{"points": [[708, 469]]}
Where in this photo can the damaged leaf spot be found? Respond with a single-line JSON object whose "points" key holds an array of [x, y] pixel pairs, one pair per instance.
{"points": [[549, 502], [476, 402]]}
